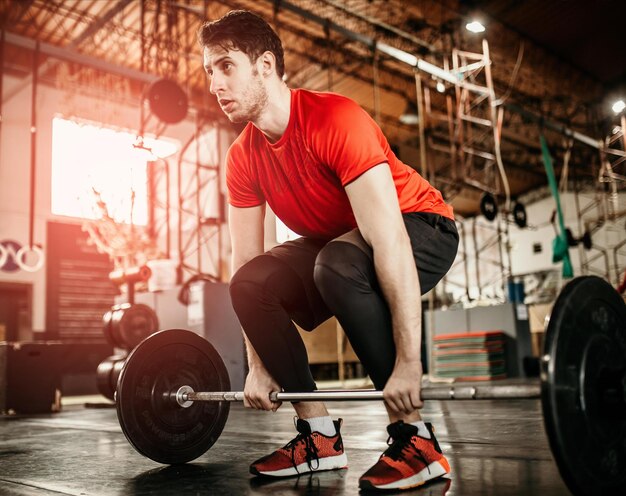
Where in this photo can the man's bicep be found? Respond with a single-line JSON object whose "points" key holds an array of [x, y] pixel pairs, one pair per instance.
{"points": [[374, 201], [246, 233]]}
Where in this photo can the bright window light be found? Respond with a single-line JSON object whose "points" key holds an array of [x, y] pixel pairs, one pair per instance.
{"points": [[87, 158], [475, 27], [618, 106]]}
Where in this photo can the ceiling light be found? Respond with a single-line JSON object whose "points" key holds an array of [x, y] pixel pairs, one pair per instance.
{"points": [[475, 27], [441, 88], [618, 106]]}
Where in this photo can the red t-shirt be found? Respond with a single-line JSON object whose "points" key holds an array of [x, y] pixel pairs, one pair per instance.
{"points": [[329, 142]]}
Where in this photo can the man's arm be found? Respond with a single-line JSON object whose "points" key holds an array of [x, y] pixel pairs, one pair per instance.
{"points": [[246, 234], [374, 200], [247, 237]]}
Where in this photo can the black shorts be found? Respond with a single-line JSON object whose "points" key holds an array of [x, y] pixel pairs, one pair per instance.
{"points": [[434, 240]]}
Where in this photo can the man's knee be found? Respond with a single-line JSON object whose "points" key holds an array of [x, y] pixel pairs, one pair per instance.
{"points": [[264, 279], [250, 280], [341, 266]]}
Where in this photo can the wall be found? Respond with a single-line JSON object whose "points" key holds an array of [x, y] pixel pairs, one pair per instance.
{"points": [[15, 166], [540, 232], [604, 239]]}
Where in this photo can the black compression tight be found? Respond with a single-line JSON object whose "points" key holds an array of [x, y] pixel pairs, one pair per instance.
{"points": [[267, 294], [307, 281]]}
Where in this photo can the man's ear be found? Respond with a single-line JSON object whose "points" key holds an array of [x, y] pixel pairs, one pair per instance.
{"points": [[268, 63]]}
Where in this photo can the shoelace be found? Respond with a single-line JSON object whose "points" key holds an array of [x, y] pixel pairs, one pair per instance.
{"points": [[399, 449], [304, 435]]}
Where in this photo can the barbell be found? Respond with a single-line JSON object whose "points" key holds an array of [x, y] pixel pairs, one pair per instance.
{"points": [[173, 395]]}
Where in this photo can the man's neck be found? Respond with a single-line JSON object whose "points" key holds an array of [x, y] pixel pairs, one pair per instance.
{"points": [[275, 117]]}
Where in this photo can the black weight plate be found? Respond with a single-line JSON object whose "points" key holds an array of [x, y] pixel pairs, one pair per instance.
{"points": [[117, 313], [168, 101], [488, 206], [154, 424], [583, 385], [519, 215], [134, 323], [107, 374], [107, 327], [103, 377]]}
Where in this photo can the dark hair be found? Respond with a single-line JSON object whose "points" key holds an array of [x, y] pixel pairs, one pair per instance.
{"points": [[245, 31]]}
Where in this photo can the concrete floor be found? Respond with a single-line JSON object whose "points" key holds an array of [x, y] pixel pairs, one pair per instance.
{"points": [[494, 448]]}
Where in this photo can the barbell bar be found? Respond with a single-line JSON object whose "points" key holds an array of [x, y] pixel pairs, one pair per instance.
{"points": [[185, 396], [168, 414]]}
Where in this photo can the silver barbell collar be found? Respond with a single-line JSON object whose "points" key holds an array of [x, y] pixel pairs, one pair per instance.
{"points": [[182, 396]]}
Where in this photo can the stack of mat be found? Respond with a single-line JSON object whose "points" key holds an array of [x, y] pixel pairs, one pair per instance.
{"points": [[470, 356]]}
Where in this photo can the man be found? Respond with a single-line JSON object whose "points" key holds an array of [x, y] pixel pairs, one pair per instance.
{"points": [[367, 222]]}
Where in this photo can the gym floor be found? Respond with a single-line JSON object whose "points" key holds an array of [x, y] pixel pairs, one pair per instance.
{"points": [[494, 448]]}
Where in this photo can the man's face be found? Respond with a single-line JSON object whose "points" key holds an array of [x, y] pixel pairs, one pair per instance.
{"points": [[236, 82]]}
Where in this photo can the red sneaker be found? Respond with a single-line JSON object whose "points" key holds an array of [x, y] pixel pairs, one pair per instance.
{"points": [[307, 452], [409, 461]]}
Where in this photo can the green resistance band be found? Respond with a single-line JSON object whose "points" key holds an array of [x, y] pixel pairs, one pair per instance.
{"points": [[560, 247]]}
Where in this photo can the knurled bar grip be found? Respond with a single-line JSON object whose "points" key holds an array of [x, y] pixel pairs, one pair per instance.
{"points": [[515, 391]]}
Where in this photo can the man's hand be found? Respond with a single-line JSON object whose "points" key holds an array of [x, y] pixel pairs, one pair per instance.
{"points": [[256, 392], [403, 389]]}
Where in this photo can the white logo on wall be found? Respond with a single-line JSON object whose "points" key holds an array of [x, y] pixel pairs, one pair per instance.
{"points": [[14, 257]]}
